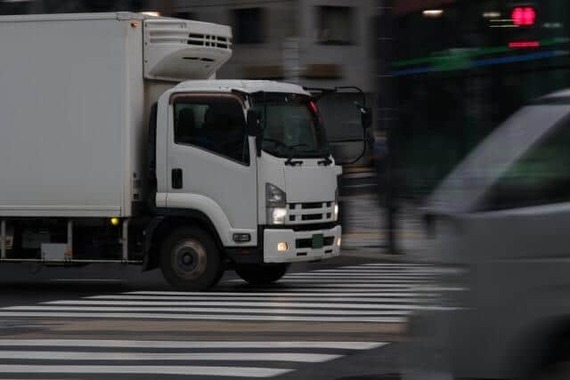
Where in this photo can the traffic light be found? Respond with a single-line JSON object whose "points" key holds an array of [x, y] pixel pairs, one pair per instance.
{"points": [[525, 18], [523, 15]]}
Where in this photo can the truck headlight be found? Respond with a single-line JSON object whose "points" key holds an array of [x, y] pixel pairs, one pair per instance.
{"points": [[276, 203], [336, 208], [277, 215]]}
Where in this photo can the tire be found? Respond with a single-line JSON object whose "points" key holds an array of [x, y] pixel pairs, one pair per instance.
{"points": [[259, 274], [190, 260]]}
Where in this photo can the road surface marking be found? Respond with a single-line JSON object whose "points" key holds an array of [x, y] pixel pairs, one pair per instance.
{"points": [[383, 293], [87, 343], [201, 317], [247, 297], [378, 310], [246, 372], [248, 359], [128, 356], [275, 292]]}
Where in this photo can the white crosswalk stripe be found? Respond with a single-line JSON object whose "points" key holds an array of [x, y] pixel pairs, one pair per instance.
{"points": [[369, 293], [198, 359]]}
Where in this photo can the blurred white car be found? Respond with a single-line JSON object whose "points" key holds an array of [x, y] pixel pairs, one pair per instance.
{"points": [[503, 218]]}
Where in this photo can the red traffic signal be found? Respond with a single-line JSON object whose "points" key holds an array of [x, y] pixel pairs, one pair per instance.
{"points": [[523, 16]]}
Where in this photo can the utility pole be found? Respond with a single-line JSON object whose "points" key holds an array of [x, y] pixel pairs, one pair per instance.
{"points": [[387, 113], [290, 51]]}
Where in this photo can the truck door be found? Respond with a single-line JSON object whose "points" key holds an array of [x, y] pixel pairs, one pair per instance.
{"points": [[211, 166]]}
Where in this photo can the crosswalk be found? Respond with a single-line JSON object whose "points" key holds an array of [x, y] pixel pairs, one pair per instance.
{"points": [[359, 294], [199, 359], [369, 293], [380, 293]]}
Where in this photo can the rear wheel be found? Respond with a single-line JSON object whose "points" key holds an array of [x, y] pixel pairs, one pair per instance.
{"points": [[261, 274], [190, 260]]}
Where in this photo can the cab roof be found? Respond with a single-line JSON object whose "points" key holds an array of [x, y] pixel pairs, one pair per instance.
{"points": [[247, 86]]}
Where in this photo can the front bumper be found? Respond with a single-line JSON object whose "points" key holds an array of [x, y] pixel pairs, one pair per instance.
{"points": [[302, 245]]}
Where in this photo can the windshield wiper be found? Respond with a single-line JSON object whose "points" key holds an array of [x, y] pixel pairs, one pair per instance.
{"points": [[290, 159], [326, 161], [291, 150]]}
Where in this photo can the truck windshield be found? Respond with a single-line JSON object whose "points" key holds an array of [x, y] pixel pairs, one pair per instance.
{"points": [[292, 126]]}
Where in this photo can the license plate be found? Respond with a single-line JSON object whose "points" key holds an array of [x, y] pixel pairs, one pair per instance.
{"points": [[318, 241]]}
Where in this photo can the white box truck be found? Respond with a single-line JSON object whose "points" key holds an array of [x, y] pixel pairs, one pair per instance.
{"points": [[118, 146]]}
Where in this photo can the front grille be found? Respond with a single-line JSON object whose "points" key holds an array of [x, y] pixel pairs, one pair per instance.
{"points": [[311, 212], [307, 206], [312, 217]]}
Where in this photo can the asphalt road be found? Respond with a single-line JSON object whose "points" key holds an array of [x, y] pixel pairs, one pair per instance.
{"points": [[337, 320], [362, 182]]}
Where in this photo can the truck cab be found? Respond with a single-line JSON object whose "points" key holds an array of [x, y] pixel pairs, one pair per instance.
{"points": [[252, 159]]}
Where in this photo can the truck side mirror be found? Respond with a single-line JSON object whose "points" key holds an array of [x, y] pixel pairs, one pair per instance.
{"points": [[365, 115], [253, 123]]}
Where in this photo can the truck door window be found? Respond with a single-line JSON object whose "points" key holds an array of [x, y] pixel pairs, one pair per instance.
{"points": [[542, 176], [214, 123]]}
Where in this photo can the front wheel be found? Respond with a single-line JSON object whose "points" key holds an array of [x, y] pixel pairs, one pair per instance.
{"points": [[261, 274], [190, 260]]}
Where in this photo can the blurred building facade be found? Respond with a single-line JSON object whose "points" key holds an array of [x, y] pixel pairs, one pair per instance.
{"points": [[461, 67], [10, 7], [315, 43]]}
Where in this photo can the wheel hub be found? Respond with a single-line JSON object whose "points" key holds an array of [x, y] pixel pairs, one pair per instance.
{"points": [[190, 259], [187, 259]]}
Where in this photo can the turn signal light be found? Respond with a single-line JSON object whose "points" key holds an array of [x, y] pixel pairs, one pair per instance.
{"points": [[242, 238]]}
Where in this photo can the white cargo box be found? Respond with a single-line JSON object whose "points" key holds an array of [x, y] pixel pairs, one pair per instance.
{"points": [[73, 105]]}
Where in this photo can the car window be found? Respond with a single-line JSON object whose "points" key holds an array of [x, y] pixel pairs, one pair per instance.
{"points": [[470, 181], [541, 176]]}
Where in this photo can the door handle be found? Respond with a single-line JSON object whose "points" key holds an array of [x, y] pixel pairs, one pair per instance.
{"points": [[177, 178]]}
